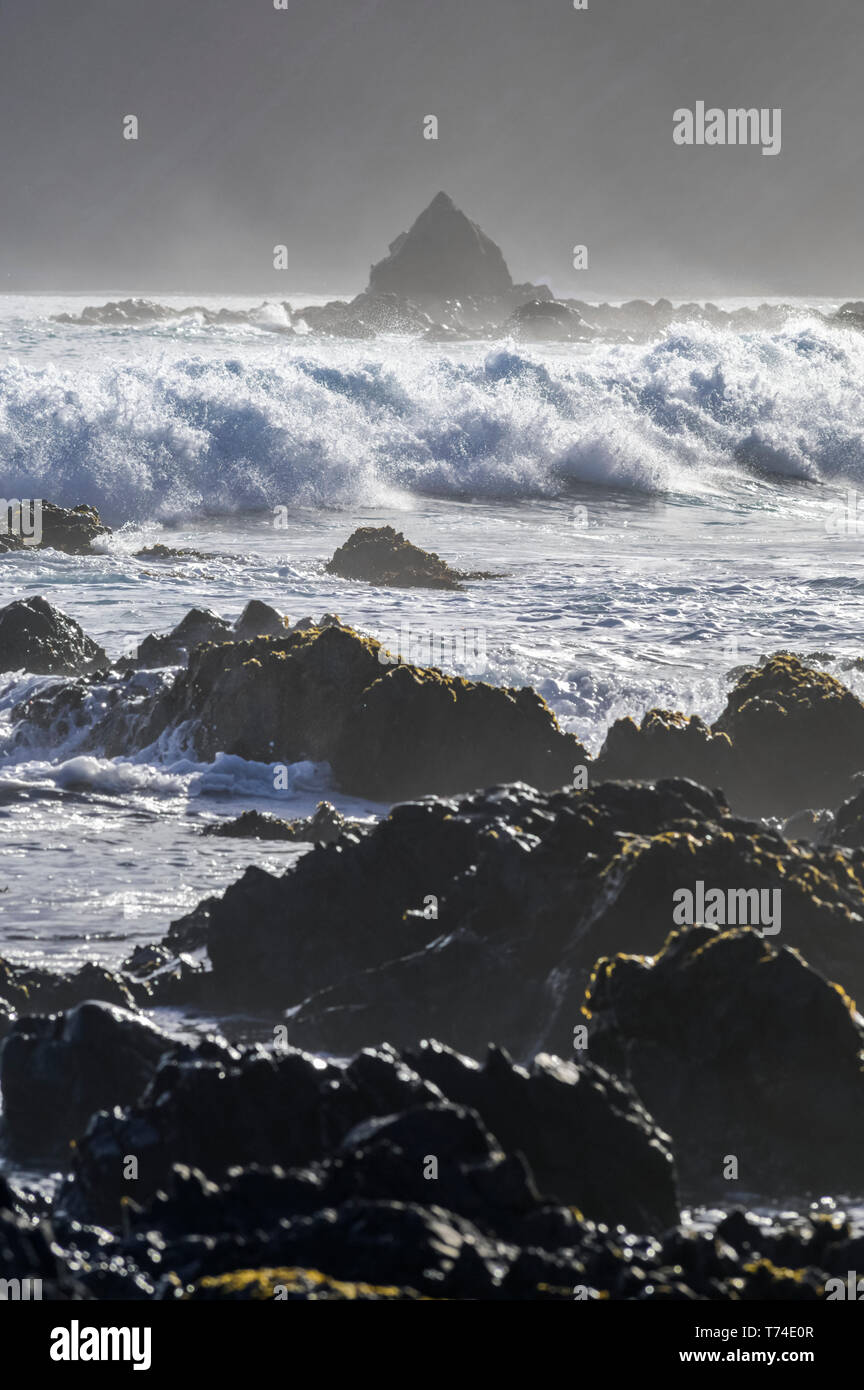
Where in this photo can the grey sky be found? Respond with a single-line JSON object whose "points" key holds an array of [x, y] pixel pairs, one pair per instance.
{"points": [[304, 127]]}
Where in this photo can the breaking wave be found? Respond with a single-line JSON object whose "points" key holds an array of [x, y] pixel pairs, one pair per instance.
{"points": [[696, 412]]}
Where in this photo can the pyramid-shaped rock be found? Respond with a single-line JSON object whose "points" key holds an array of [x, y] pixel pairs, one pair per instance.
{"points": [[443, 256]]}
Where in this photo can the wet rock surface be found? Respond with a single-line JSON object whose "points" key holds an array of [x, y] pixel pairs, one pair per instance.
{"points": [[71, 529], [222, 1107], [480, 919], [55, 1072], [381, 555], [797, 735], [743, 1053], [529, 929], [326, 693], [380, 1180], [35, 636], [198, 626], [791, 737], [548, 320], [324, 827]]}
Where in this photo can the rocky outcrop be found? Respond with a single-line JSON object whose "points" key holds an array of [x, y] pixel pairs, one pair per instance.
{"points": [[31, 990], [381, 555], [29, 1255], [199, 625], [797, 736], [56, 1072], [548, 320], [169, 552], [418, 731], [326, 694], [367, 315], [202, 625], [56, 528], [482, 918], [372, 1124], [259, 620], [34, 636], [665, 744], [791, 737], [324, 827], [749, 1059], [443, 256], [263, 1233], [847, 827]]}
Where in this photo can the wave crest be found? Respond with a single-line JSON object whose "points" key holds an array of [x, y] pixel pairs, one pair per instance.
{"points": [[687, 414]]}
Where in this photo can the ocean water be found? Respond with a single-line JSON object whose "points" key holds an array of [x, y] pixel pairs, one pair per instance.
{"points": [[658, 513]]}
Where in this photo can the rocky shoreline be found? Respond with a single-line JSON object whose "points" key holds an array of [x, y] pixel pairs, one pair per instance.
{"points": [[497, 1065]]}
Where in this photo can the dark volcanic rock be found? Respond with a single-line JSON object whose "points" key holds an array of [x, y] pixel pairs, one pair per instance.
{"points": [[259, 620], [814, 826], [791, 736], [56, 1072], [665, 744], [313, 1232], [202, 625], [368, 315], [322, 828], [417, 731], [443, 256], [797, 736], [545, 320], [199, 625], [36, 637], [33, 990], [29, 1256], [383, 894], [324, 694], [381, 555], [848, 826], [67, 529], [481, 919], [369, 1128], [271, 699], [738, 1049], [537, 1112], [168, 552]]}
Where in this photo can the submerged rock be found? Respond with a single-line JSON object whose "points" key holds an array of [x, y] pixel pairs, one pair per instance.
{"points": [[381, 555], [34, 636]]}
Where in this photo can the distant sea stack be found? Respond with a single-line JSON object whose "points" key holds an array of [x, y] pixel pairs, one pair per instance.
{"points": [[444, 256]]}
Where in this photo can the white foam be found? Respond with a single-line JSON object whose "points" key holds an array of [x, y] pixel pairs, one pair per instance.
{"points": [[341, 425]]}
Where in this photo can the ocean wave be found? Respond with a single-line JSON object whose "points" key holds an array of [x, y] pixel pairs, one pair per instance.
{"points": [[226, 776], [692, 413]]}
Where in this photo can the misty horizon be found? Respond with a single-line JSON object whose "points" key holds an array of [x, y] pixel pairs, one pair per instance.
{"points": [[305, 127]]}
